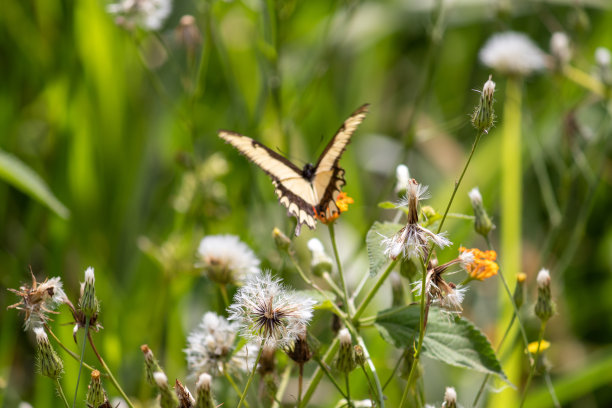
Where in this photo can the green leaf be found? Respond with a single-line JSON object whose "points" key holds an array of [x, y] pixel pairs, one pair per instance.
{"points": [[376, 234], [387, 205], [454, 341], [321, 301], [17, 173]]}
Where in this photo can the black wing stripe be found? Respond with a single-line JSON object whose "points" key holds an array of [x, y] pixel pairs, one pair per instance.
{"points": [[296, 205]]}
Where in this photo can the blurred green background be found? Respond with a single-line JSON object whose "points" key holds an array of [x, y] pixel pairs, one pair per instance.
{"points": [[121, 126]]}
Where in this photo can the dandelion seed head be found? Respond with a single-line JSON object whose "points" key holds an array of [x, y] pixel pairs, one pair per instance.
{"points": [[602, 56], [512, 53], [39, 300], [560, 47], [225, 259], [402, 175], [268, 312], [146, 14], [450, 395]]}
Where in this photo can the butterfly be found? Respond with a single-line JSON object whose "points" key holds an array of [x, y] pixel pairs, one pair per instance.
{"points": [[310, 192]]}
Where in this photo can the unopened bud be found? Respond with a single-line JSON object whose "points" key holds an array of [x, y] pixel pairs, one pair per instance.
{"points": [[203, 392], [188, 34], [321, 262], [168, 398], [402, 175], [397, 289], [345, 362], [545, 307], [519, 290], [281, 240], [49, 363], [484, 114], [151, 364], [602, 59], [560, 49], [300, 351], [450, 398], [360, 357], [185, 398], [88, 302], [96, 396], [482, 223]]}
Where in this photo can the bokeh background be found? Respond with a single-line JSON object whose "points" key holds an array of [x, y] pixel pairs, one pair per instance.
{"points": [[121, 126]]}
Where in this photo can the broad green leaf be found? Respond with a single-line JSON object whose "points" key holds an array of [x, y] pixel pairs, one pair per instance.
{"points": [[17, 173], [376, 234], [454, 341], [322, 301], [387, 205]]}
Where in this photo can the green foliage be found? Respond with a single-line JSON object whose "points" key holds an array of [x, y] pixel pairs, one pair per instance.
{"points": [[377, 233]]}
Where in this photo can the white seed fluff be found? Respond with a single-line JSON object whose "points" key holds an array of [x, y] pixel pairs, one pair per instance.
{"points": [[543, 278], [226, 259], [512, 53]]}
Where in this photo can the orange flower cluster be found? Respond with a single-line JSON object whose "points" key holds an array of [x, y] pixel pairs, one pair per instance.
{"points": [[484, 265], [342, 202]]}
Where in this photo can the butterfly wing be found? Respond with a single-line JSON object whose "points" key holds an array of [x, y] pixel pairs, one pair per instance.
{"points": [[293, 191], [329, 176]]}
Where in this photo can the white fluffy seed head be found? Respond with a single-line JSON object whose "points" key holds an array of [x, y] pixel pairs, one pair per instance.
{"points": [[512, 53], [543, 278], [602, 57], [225, 259], [560, 47], [41, 335], [146, 14], [315, 245], [475, 196], [402, 174], [450, 395]]}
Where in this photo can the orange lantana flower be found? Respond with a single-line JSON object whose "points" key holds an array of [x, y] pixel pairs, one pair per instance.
{"points": [[483, 266]]}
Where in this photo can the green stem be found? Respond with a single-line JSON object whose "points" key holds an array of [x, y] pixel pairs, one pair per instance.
{"points": [[366, 354], [348, 389], [372, 390], [329, 375], [332, 236], [58, 386], [66, 349], [224, 295], [76, 390], [399, 361], [332, 284], [318, 374], [109, 373], [234, 385], [300, 380], [551, 390], [250, 380], [282, 387], [533, 366], [374, 290]]}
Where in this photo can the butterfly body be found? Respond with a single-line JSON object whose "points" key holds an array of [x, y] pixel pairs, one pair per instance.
{"points": [[308, 193]]}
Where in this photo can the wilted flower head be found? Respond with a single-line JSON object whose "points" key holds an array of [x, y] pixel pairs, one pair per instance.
{"points": [[411, 241], [185, 398], [168, 398], [225, 259], [268, 312], [482, 222], [146, 14], [482, 264], [96, 396], [210, 347], [39, 300], [512, 53], [448, 295], [300, 351]]}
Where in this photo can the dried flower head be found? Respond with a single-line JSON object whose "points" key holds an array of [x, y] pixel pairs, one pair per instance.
{"points": [[188, 34], [146, 14], [96, 396], [151, 364], [545, 307], [39, 300], [268, 312], [482, 222], [300, 351], [210, 347], [345, 361], [512, 53], [482, 264], [88, 303], [168, 398], [185, 398], [411, 241], [448, 295], [225, 259]]}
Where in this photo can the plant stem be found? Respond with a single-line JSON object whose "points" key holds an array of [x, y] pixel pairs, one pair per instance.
{"points": [[223, 290], [66, 349], [533, 366], [248, 384], [233, 384], [332, 284], [348, 389], [76, 390], [372, 369], [318, 374], [399, 361], [329, 375], [58, 386], [281, 388], [300, 379], [108, 372], [373, 291], [551, 390], [332, 236], [372, 390]]}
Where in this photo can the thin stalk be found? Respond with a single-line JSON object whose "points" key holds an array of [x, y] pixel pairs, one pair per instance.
{"points": [[223, 289], [532, 370], [551, 390], [66, 349], [374, 290], [300, 379], [234, 385], [399, 361], [372, 390], [76, 389], [332, 236], [318, 374], [329, 375], [282, 386], [372, 369], [585, 80], [348, 389], [58, 387], [250, 380], [108, 372], [332, 284]]}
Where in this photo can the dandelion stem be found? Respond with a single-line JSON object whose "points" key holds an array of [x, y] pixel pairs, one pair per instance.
{"points": [[551, 390], [424, 310], [332, 236], [348, 389], [76, 389], [234, 385], [281, 388], [300, 380], [108, 371], [585, 80], [372, 369], [66, 349], [325, 370], [372, 390], [318, 374], [533, 366], [373, 291], [58, 386], [332, 284], [250, 380], [223, 290], [399, 361]]}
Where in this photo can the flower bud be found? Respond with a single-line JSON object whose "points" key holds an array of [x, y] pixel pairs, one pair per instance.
{"points": [[345, 362], [168, 398], [321, 262], [484, 114], [88, 303], [519, 290], [185, 398], [300, 351], [450, 398], [281, 240], [602, 59], [397, 289], [360, 357], [49, 363], [96, 396], [482, 223], [204, 393], [560, 49], [545, 307], [402, 175], [151, 364], [188, 34]]}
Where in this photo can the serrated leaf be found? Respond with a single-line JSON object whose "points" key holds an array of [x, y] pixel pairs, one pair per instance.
{"points": [[374, 238], [322, 301], [18, 174], [455, 341]]}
